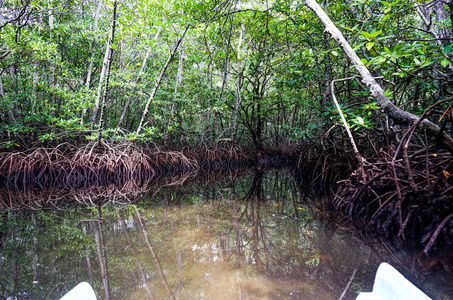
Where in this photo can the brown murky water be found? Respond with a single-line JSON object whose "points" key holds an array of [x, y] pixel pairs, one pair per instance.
{"points": [[253, 237]]}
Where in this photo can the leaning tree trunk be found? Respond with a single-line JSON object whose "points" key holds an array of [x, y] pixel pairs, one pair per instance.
{"points": [[376, 91], [159, 79], [139, 77]]}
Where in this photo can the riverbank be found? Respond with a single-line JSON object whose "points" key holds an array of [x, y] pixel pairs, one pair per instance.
{"points": [[103, 164]]}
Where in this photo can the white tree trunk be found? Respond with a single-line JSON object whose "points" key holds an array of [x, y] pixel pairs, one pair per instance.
{"points": [[159, 79], [376, 91], [101, 81], [91, 60], [238, 84], [139, 77], [109, 64]]}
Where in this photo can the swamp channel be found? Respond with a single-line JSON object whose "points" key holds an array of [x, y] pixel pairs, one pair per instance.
{"points": [[242, 234]]}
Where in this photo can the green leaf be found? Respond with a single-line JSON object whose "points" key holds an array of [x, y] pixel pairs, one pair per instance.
{"points": [[445, 62], [334, 53], [375, 34], [428, 63], [369, 46], [347, 28], [366, 35], [386, 49], [447, 49]]}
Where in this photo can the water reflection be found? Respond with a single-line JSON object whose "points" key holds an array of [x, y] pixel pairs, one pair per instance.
{"points": [[252, 237]]}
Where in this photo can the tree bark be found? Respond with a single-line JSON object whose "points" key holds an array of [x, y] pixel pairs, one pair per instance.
{"points": [[159, 79], [139, 77], [376, 91], [87, 255], [439, 8], [109, 63], [240, 81], [153, 253], [101, 78], [91, 60], [101, 249]]}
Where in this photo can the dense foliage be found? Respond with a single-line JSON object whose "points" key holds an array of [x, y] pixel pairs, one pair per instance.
{"points": [[249, 71]]}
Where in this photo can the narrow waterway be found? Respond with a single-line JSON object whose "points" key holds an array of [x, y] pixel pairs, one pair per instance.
{"points": [[253, 236]]}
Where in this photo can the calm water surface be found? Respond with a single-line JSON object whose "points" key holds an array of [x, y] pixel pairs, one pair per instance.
{"points": [[252, 237]]}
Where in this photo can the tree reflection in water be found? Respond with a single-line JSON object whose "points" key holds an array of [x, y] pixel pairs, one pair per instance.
{"points": [[252, 237]]}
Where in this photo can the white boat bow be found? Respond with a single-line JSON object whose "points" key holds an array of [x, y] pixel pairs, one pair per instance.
{"points": [[82, 291], [392, 285]]}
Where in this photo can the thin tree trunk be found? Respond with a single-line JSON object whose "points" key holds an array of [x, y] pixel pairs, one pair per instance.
{"points": [[238, 85], [87, 255], [156, 259], [109, 64], [51, 63], [208, 123], [177, 82], [100, 242], [375, 89], [101, 77], [159, 79], [34, 75], [225, 64], [139, 266], [35, 268], [140, 74], [173, 104], [91, 60], [10, 112]]}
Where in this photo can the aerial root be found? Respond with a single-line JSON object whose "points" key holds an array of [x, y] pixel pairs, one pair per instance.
{"points": [[116, 163], [404, 195]]}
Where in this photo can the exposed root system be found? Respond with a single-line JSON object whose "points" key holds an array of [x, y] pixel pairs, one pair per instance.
{"points": [[97, 164], [407, 192], [43, 177]]}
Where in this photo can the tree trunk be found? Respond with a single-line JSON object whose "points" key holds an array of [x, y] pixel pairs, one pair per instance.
{"points": [[87, 255], [101, 78], [91, 60], [101, 249], [376, 91], [442, 32], [225, 64], [153, 253], [159, 79], [139, 77], [106, 87], [239, 83], [173, 104]]}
